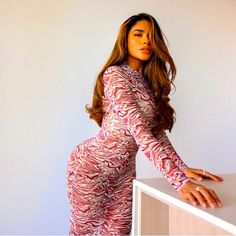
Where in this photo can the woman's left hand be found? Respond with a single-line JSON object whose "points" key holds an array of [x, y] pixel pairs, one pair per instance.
{"points": [[199, 174]]}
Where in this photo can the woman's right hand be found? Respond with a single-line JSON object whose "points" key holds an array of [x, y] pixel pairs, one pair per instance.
{"points": [[199, 194]]}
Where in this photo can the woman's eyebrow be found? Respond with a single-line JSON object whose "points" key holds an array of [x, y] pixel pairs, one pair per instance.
{"points": [[139, 30]]}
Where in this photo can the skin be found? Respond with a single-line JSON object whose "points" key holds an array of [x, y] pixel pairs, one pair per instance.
{"points": [[139, 51], [205, 197], [139, 47]]}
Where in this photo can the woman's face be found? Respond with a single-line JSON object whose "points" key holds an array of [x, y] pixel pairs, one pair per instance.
{"points": [[139, 47]]}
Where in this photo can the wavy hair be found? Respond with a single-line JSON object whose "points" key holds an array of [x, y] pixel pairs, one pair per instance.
{"points": [[159, 70]]}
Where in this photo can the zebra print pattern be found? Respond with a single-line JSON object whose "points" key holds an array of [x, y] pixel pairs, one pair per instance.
{"points": [[101, 169]]}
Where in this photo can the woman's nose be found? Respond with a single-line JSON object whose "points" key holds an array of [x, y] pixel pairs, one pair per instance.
{"points": [[146, 41]]}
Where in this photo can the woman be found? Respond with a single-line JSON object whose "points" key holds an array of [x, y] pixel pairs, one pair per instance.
{"points": [[130, 103]]}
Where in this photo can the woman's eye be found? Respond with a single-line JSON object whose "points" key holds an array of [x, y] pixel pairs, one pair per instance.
{"points": [[138, 35]]}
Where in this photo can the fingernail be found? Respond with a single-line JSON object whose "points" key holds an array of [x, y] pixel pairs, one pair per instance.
{"points": [[212, 205]]}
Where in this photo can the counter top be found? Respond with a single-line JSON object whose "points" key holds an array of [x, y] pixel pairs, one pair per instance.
{"points": [[224, 217]]}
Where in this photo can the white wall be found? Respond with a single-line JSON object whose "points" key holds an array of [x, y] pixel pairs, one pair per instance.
{"points": [[50, 54]]}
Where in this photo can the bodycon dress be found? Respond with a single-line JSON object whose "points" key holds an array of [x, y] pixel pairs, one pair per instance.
{"points": [[101, 169]]}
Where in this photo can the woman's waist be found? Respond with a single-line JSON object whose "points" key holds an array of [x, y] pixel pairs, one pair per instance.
{"points": [[107, 144], [115, 137]]}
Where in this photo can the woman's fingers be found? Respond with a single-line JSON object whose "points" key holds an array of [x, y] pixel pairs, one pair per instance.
{"points": [[199, 173], [213, 177], [209, 175], [192, 199], [204, 195], [207, 197], [199, 194], [217, 199], [200, 198]]}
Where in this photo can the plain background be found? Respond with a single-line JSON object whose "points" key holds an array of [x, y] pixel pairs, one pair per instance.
{"points": [[50, 54]]}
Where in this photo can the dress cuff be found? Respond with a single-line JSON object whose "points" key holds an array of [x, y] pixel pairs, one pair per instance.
{"points": [[183, 167]]}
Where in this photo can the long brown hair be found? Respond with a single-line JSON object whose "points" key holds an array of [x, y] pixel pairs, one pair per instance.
{"points": [[159, 70]]}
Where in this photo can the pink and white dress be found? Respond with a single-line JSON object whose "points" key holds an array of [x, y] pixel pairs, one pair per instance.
{"points": [[101, 169]]}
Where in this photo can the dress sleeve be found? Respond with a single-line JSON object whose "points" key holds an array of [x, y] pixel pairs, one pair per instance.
{"points": [[170, 151], [118, 90]]}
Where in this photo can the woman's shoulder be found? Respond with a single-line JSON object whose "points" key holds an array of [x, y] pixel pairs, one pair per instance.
{"points": [[115, 75], [115, 70]]}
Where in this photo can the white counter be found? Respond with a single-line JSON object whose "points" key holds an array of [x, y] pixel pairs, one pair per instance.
{"points": [[157, 209]]}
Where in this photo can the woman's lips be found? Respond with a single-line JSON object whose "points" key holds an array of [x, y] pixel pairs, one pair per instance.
{"points": [[146, 50]]}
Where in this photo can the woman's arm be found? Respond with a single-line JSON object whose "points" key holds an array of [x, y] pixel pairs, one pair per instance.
{"points": [[118, 90], [169, 149]]}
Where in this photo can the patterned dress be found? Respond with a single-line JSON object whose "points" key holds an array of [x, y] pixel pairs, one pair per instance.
{"points": [[101, 169]]}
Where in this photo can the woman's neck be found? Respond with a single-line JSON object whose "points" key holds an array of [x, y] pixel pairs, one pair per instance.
{"points": [[135, 64]]}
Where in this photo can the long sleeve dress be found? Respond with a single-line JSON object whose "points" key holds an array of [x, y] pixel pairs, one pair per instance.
{"points": [[101, 169]]}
